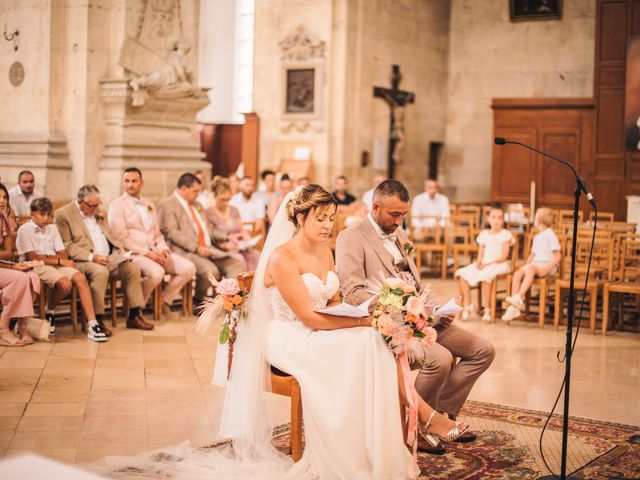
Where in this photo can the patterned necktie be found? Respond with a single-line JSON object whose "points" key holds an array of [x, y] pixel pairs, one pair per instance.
{"points": [[201, 241]]}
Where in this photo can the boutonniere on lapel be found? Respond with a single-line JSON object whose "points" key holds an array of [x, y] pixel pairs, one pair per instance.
{"points": [[100, 217], [408, 247], [198, 207]]}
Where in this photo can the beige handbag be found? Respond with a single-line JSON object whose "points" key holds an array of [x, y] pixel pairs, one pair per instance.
{"points": [[38, 328]]}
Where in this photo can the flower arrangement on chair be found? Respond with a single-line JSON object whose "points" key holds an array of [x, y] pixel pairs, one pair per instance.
{"points": [[230, 304]]}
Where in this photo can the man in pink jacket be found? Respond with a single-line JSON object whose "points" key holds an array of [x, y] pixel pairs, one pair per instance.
{"points": [[133, 221]]}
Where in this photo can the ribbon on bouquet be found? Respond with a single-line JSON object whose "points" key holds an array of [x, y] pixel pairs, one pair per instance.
{"points": [[412, 398]]}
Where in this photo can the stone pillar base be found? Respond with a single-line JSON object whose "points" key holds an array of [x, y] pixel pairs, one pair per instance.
{"points": [[159, 138], [46, 157]]}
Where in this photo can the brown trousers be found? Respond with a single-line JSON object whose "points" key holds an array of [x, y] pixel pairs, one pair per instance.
{"points": [[445, 384], [98, 278]]}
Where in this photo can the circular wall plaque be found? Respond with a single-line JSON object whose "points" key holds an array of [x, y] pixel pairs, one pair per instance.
{"points": [[16, 74]]}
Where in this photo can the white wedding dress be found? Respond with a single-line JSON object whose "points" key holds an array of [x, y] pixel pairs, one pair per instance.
{"points": [[349, 388]]}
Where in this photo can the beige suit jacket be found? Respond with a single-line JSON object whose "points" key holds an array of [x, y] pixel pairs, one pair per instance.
{"points": [[360, 255], [75, 236], [126, 225], [177, 228]]}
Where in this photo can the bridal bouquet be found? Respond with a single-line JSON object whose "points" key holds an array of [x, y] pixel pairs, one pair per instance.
{"points": [[229, 303], [403, 316]]}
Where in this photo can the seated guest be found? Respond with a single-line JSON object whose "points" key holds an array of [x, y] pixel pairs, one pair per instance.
{"points": [[39, 239], [341, 194], [493, 260], [251, 207], [90, 244], [188, 235], [18, 285], [284, 187], [204, 198], [226, 218], [303, 182], [234, 184], [430, 203], [23, 194], [267, 191], [134, 223], [367, 197], [543, 260]]}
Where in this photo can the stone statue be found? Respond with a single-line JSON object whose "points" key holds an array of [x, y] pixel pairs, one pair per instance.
{"points": [[171, 79]]}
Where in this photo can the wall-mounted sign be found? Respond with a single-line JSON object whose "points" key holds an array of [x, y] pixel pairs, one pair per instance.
{"points": [[16, 74]]}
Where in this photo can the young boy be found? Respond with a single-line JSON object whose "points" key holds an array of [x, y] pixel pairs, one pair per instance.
{"points": [[39, 239], [543, 260]]}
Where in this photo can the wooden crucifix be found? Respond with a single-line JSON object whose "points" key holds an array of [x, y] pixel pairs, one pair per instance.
{"points": [[396, 99]]}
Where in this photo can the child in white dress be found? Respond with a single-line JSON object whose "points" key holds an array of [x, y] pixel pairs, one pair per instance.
{"points": [[493, 260], [542, 261]]}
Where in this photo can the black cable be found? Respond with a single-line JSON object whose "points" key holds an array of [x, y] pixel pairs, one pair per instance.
{"points": [[562, 360]]}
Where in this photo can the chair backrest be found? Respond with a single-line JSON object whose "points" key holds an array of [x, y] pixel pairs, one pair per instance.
{"points": [[602, 260], [566, 216], [245, 281], [432, 233], [602, 216], [472, 211], [460, 227], [630, 264]]}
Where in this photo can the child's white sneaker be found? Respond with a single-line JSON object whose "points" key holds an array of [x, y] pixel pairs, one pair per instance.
{"points": [[516, 301], [468, 311], [486, 317], [511, 314]]}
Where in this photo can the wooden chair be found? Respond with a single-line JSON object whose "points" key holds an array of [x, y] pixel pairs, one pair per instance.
{"points": [[428, 240], [566, 216], [543, 284], [601, 271], [283, 384], [602, 217], [628, 282], [72, 302], [472, 211]]}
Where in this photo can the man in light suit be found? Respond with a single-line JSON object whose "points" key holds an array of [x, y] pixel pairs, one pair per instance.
{"points": [[375, 248], [134, 222], [96, 253], [188, 234]]}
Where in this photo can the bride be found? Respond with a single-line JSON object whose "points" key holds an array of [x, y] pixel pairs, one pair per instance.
{"points": [[348, 376]]}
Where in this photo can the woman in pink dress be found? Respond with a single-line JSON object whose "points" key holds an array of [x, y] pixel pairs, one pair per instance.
{"points": [[17, 286], [227, 218]]}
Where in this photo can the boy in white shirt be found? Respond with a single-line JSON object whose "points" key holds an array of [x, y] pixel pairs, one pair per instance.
{"points": [[542, 261], [39, 239]]}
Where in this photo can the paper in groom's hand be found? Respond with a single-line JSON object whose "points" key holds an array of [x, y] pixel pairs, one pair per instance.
{"points": [[347, 310], [444, 313]]}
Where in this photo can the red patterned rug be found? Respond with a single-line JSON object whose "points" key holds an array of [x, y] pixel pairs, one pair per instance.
{"points": [[507, 447]]}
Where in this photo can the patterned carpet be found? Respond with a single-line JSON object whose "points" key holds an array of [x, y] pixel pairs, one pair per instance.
{"points": [[507, 447]]}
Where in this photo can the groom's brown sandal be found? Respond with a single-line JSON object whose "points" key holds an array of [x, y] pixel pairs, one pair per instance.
{"points": [[427, 443]]}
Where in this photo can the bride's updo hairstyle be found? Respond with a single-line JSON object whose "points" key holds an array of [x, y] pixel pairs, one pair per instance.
{"points": [[219, 185], [308, 198]]}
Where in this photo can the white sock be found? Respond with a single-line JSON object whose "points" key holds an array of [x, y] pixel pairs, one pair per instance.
{"points": [[517, 297], [92, 323], [50, 310]]}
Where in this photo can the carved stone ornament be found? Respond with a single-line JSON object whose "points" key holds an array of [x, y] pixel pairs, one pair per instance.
{"points": [[302, 45]]}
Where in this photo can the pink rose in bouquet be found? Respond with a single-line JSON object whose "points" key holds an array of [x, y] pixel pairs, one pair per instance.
{"points": [[228, 287], [415, 306]]}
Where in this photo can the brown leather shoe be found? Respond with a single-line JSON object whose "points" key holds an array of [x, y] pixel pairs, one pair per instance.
{"points": [[106, 331], [139, 323], [430, 444]]}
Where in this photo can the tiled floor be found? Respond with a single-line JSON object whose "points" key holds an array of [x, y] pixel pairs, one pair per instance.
{"points": [[77, 401]]}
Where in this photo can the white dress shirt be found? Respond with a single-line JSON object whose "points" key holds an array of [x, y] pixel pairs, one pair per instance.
{"points": [[20, 205], [423, 205], [388, 241], [203, 225], [367, 199], [100, 242], [43, 241], [250, 210]]}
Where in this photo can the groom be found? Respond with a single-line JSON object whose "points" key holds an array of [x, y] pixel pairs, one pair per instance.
{"points": [[374, 248]]}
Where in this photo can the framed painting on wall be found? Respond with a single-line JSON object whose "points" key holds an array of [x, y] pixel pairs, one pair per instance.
{"points": [[632, 95], [535, 10], [300, 90]]}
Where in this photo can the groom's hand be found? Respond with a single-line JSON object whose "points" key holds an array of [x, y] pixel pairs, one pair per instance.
{"points": [[446, 320]]}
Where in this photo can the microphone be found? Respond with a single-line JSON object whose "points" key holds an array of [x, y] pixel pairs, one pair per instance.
{"points": [[581, 183]]}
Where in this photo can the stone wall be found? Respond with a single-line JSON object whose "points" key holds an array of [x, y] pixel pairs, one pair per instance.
{"points": [[489, 57]]}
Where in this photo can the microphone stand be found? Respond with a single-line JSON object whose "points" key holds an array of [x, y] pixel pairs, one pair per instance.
{"points": [[580, 187]]}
